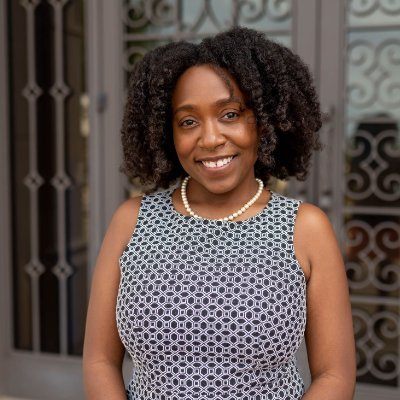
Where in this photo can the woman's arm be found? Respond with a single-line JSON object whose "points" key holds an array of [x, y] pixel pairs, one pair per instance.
{"points": [[329, 330], [103, 351]]}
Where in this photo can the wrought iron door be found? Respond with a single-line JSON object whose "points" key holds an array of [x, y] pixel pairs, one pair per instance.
{"points": [[45, 206], [371, 212]]}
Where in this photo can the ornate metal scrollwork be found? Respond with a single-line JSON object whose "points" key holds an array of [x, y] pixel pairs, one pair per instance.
{"points": [[375, 333], [133, 54], [374, 169], [372, 77], [139, 14], [371, 254], [278, 9], [253, 10], [154, 21], [372, 188], [362, 8]]}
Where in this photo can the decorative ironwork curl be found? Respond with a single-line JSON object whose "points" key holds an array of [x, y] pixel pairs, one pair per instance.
{"points": [[360, 92], [278, 10], [374, 175], [367, 250], [131, 55], [161, 12], [389, 56], [390, 7], [359, 275], [137, 15], [372, 333], [363, 8], [253, 10], [373, 79], [133, 15]]}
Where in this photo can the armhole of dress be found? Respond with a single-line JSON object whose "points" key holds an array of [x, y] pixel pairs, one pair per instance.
{"points": [[295, 210], [139, 218]]}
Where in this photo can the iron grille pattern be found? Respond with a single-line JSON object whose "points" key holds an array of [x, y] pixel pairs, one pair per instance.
{"points": [[49, 176], [372, 186]]}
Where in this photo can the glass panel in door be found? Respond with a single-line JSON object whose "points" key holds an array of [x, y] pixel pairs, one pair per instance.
{"points": [[372, 189]]}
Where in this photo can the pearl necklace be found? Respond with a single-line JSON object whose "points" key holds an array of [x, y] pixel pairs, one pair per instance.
{"points": [[229, 217]]}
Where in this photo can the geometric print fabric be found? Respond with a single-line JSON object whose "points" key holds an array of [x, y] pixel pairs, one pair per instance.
{"points": [[212, 309]]}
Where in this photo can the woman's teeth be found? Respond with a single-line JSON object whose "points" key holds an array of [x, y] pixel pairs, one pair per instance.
{"points": [[218, 163]]}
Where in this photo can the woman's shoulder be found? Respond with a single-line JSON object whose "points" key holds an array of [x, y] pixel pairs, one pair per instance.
{"points": [[314, 239], [314, 232], [312, 218], [128, 211], [124, 221], [307, 214], [126, 215]]}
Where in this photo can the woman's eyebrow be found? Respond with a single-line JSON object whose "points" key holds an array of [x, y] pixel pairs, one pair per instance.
{"points": [[185, 107], [220, 102], [228, 100]]}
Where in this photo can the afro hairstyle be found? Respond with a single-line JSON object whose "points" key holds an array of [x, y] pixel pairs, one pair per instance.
{"points": [[275, 81]]}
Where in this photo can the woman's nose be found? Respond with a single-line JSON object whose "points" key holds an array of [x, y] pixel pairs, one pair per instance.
{"points": [[211, 137]]}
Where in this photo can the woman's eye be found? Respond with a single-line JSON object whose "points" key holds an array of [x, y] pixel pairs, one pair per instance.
{"points": [[231, 115], [187, 122]]}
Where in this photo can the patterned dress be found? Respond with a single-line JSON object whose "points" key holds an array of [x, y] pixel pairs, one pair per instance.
{"points": [[210, 309]]}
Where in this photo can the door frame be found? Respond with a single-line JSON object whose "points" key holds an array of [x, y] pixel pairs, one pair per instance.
{"points": [[105, 88], [5, 222]]}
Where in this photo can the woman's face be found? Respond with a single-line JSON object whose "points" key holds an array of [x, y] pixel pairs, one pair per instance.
{"points": [[215, 135]]}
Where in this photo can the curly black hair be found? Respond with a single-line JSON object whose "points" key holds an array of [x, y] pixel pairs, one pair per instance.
{"points": [[275, 81]]}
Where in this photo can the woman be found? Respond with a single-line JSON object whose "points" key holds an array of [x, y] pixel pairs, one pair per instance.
{"points": [[211, 286]]}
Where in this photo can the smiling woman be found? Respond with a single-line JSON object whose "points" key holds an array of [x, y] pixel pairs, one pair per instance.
{"points": [[212, 287]]}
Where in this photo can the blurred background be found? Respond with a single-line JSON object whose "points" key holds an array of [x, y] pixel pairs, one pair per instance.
{"points": [[64, 66]]}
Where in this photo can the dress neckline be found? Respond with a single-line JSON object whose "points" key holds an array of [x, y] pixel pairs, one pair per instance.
{"points": [[256, 217]]}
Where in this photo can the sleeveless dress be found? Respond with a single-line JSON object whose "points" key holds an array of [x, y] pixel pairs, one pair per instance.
{"points": [[210, 309]]}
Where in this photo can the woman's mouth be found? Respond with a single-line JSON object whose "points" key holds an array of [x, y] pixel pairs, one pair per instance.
{"points": [[217, 163]]}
